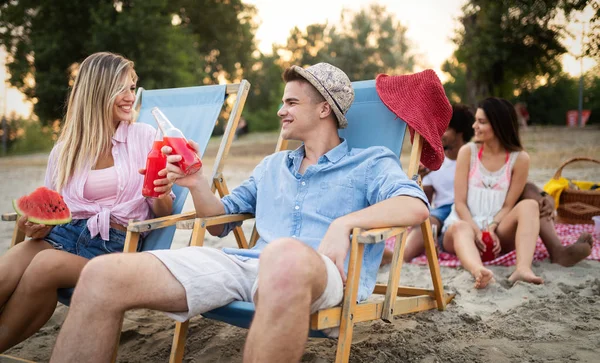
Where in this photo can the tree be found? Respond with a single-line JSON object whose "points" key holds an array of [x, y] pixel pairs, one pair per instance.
{"points": [[504, 42], [265, 93], [549, 103], [365, 43], [163, 53], [43, 41], [224, 32], [455, 87], [173, 43], [592, 46]]}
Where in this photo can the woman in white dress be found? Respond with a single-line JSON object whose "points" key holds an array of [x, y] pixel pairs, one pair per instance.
{"points": [[490, 176]]}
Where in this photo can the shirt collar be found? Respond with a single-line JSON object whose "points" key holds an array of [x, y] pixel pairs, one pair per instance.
{"points": [[121, 133], [334, 155]]}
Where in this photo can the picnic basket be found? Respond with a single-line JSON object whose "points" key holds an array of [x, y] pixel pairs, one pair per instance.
{"points": [[579, 202]]}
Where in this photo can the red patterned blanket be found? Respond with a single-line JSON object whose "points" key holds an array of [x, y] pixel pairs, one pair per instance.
{"points": [[568, 234]]}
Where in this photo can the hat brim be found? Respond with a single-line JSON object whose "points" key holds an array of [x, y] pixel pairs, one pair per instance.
{"points": [[341, 119]]}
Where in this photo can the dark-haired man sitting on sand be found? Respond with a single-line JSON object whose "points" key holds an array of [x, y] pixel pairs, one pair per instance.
{"points": [[304, 235]]}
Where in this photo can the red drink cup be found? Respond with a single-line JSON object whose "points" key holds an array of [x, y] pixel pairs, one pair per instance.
{"points": [[190, 161], [156, 162], [488, 254]]}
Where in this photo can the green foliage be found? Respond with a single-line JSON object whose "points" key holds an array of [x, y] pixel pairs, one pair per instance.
{"points": [[225, 34], [265, 94], [143, 31], [53, 31], [365, 44], [173, 43], [455, 86], [548, 104], [592, 45], [28, 136], [591, 95], [504, 43]]}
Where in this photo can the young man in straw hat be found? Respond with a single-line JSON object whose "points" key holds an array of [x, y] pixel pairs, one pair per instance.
{"points": [[306, 202]]}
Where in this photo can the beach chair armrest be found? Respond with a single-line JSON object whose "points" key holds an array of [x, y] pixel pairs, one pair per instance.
{"points": [[214, 220], [157, 223], [9, 217], [375, 235]]}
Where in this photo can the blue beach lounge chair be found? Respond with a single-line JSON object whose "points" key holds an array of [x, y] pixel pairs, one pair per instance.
{"points": [[370, 123]]}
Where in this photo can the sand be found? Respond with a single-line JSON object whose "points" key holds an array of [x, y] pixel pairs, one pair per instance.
{"points": [[555, 322]]}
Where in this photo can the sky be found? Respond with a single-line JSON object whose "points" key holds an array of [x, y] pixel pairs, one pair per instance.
{"points": [[430, 23], [430, 26]]}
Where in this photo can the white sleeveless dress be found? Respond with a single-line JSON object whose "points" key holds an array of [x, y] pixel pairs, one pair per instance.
{"points": [[487, 190]]}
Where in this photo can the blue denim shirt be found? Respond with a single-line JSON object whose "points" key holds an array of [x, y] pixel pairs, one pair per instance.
{"points": [[289, 204]]}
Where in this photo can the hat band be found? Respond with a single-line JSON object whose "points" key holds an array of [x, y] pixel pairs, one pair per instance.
{"points": [[326, 90]]}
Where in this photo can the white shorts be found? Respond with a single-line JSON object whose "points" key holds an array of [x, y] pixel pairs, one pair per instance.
{"points": [[212, 278]]}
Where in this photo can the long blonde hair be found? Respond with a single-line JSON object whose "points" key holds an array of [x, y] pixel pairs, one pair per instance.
{"points": [[88, 124]]}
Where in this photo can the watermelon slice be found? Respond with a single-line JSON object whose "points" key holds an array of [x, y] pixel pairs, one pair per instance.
{"points": [[43, 206]]}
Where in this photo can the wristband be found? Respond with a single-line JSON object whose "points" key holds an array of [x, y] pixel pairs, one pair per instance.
{"points": [[492, 223]]}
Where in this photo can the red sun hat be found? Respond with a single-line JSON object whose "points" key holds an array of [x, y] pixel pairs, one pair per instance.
{"points": [[419, 99]]}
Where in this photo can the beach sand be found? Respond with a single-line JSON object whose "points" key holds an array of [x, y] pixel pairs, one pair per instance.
{"points": [[555, 322]]}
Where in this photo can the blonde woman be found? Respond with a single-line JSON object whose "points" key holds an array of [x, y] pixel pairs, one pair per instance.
{"points": [[96, 166]]}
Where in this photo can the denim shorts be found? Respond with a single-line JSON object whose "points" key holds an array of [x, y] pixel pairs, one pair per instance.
{"points": [[441, 213], [75, 238]]}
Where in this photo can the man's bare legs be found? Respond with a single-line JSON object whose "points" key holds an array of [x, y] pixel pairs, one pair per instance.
{"points": [[460, 240], [34, 300], [291, 276], [564, 255], [110, 285]]}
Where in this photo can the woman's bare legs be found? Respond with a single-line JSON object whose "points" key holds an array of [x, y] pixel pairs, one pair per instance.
{"points": [[519, 230], [34, 299], [13, 264], [460, 240]]}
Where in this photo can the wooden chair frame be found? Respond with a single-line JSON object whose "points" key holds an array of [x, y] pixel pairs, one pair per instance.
{"points": [[398, 300]]}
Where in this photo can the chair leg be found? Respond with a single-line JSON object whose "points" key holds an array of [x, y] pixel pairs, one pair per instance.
{"points": [[132, 239], [178, 348], [349, 302], [253, 237], [197, 237], [17, 237], [434, 266], [221, 186], [394, 278]]}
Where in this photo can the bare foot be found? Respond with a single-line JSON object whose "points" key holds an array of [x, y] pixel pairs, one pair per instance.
{"points": [[570, 255], [526, 276], [483, 277]]}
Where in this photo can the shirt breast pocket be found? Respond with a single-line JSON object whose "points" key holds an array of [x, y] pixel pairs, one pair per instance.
{"points": [[335, 199]]}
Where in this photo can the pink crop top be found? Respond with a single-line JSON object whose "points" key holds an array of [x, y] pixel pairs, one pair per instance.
{"points": [[101, 187]]}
